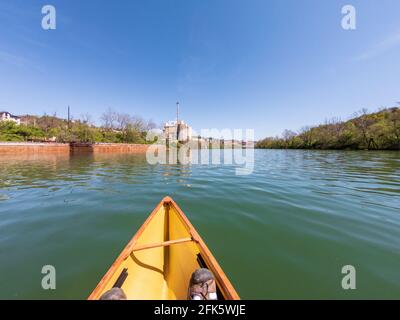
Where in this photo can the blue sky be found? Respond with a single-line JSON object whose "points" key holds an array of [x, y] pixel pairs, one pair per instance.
{"points": [[261, 64]]}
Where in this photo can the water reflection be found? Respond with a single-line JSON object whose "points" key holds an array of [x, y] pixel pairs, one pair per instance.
{"points": [[357, 171], [310, 211], [79, 170]]}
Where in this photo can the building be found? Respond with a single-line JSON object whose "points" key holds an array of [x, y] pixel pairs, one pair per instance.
{"points": [[6, 116], [177, 131]]}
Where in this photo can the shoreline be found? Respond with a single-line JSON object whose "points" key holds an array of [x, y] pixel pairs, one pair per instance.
{"points": [[7, 148], [314, 149]]}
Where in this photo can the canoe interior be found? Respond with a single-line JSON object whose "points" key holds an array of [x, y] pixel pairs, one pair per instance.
{"points": [[163, 272]]}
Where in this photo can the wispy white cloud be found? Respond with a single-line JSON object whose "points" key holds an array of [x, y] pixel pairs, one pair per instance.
{"points": [[380, 48], [12, 59], [18, 61]]}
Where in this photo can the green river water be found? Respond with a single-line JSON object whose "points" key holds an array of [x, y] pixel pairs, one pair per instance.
{"points": [[283, 232]]}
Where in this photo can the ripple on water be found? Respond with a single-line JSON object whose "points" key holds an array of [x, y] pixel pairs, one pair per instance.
{"points": [[282, 232]]}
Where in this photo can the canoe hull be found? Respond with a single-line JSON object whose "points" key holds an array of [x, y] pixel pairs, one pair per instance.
{"points": [[159, 260]]}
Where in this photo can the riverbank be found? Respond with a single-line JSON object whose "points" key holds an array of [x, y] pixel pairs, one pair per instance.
{"points": [[7, 148], [365, 131]]}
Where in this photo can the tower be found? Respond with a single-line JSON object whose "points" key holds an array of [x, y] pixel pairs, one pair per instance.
{"points": [[177, 112], [177, 121]]}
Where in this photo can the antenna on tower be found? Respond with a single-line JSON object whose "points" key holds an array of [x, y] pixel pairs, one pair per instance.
{"points": [[177, 112], [178, 126]]}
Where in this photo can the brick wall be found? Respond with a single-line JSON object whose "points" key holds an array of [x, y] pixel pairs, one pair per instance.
{"points": [[34, 148], [38, 148], [120, 148], [109, 148]]}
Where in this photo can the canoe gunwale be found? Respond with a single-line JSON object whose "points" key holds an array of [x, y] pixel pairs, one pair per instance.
{"points": [[228, 290]]}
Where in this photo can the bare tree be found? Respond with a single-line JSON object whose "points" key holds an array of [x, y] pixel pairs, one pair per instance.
{"points": [[138, 124], [306, 135], [109, 119], [394, 120], [86, 118], [288, 135], [123, 120], [363, 123], [151, 125]]}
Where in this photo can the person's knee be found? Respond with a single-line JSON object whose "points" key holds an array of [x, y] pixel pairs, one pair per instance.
{"points": [[113, 294], [202, 285]]}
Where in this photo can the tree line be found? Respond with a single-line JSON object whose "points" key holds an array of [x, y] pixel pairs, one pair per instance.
{"points": [[365, 131], [115, 128]]}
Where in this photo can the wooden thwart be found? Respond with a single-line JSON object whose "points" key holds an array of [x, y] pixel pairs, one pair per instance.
{"points": [[161, 244]]}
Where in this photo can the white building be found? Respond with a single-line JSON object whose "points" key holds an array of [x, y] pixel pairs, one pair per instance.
{"points": [[177, 131], [6, 116]]}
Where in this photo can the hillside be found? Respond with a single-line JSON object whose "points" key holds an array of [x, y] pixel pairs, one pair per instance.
{"points": [[116, 128], [365, 131]]}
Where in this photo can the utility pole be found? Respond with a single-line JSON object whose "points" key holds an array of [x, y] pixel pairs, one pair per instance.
{"points": [[69, 118]]}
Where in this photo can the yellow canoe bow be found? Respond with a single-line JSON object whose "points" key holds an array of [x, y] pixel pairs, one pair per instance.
{"points": [[159, 260]]}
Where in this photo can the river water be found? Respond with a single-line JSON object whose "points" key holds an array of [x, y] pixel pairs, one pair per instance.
{"points": [[284, 231]]}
